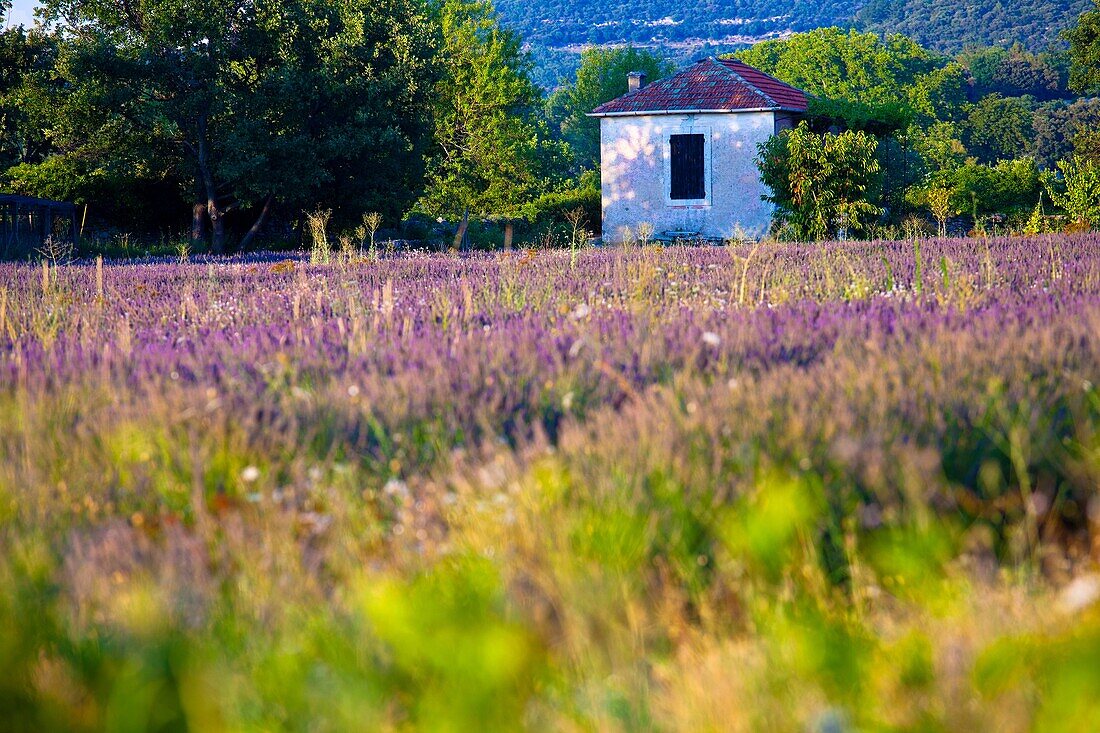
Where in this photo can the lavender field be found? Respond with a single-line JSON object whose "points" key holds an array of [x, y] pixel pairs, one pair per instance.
{"points": [[851, 486]]}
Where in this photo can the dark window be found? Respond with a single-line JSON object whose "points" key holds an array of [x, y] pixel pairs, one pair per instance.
{"points": [[687, 167]]}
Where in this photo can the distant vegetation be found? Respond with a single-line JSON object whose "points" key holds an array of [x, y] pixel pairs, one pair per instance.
{"points": [[560, 22], [985, 131], [951, 25], [945, 26], [687, 29]]}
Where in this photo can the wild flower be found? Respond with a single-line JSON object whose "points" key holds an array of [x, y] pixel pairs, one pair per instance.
{"points": [[56, 250], [1081, 593]]}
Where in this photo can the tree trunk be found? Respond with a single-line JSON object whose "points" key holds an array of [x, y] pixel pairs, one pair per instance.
{"points": [[198, 225], [460, 235], [508, 227], [217, 226], [206, 178], [247, 241]]}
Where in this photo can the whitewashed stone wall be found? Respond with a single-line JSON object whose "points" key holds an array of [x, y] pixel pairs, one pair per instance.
{"points": [[636, 170]]}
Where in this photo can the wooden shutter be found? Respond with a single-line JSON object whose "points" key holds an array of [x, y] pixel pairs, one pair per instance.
{"points": [[688, 169]]}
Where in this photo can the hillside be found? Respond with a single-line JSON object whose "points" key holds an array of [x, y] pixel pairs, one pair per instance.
{"points": [[948, 25], [563, 23], [556, 29]]}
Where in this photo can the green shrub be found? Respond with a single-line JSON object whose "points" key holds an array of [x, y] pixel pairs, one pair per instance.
{"points": [[418, 227], [1007, 186], [546, 219], [821, 184], [1077, 190], [1010, 187], [124, 198]]}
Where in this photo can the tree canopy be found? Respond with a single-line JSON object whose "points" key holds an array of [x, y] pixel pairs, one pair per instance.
{"points": [[257, 102], [1084, 50], [602, 76], [1016, 72], [491, 152], [882, 85], [999, 128]]}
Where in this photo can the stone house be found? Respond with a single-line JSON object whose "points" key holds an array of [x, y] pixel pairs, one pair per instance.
{"points": [[679, 154]]}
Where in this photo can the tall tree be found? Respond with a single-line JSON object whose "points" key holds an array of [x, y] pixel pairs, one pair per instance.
{"points": [[999, 128], [262, 100], [53, 146], [1014, 72], [602, 76], [27, 59], [491, 153], [846, 65], [1084, 51], [1059, 126]]}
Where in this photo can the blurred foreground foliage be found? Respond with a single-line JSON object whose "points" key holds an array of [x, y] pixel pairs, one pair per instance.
{"points": [[794, 487]]}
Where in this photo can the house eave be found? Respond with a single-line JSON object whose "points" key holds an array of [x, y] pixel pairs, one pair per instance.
{"points": [[651, 113]]}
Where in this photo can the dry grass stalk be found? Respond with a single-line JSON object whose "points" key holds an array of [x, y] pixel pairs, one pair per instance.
{"points": [[387, 298], [371, 223], [321, 250], [5, 325]]}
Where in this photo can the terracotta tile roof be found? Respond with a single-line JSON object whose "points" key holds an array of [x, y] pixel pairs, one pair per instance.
{"points": [[724, 85]]}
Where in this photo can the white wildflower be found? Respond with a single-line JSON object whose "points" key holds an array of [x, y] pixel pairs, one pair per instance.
{"points": [[710, 338], [1081, 593], [395, 487], [250, 474]]}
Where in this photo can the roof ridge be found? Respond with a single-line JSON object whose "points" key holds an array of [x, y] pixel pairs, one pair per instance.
{"points": [[711, 84], [774, 78], [745, 81]]}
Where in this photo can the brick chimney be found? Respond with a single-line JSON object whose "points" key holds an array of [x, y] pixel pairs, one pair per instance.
{"points": [[635, 80]]}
